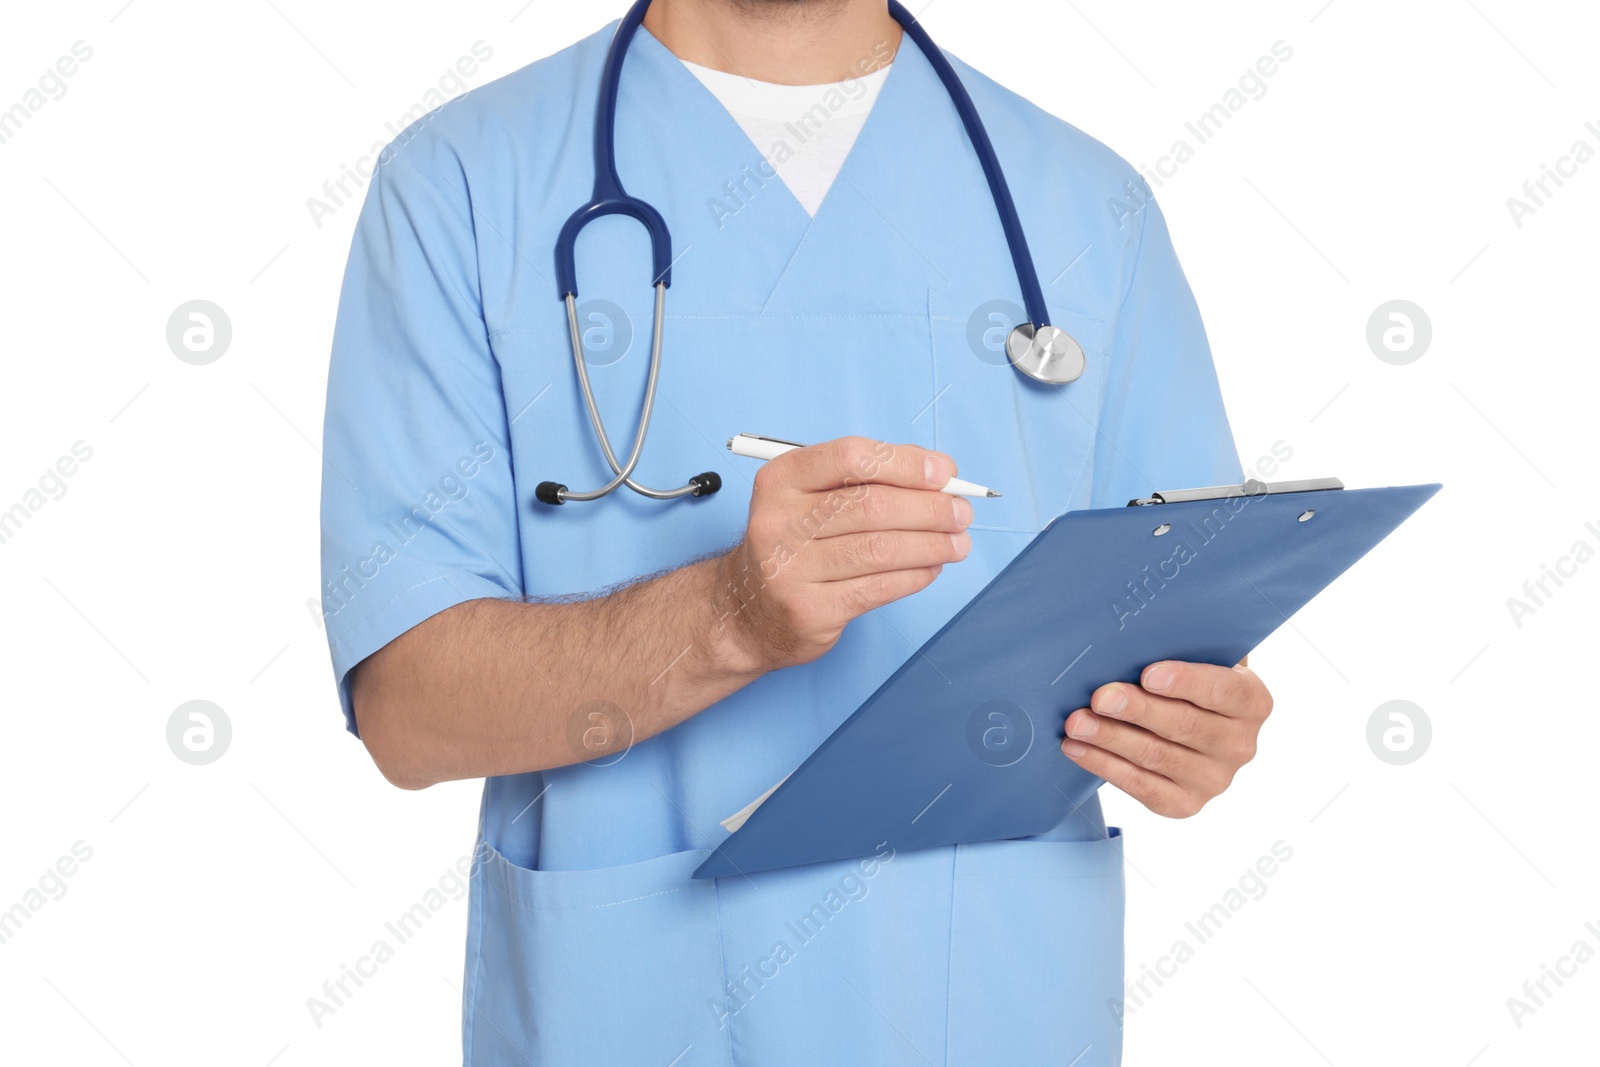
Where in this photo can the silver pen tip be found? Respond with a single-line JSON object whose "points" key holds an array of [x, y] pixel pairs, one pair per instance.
{"points": [[991, 492]]}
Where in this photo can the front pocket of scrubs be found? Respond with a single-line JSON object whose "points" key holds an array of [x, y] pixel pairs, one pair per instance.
{"points": [[620, 965], [1036, 957]]}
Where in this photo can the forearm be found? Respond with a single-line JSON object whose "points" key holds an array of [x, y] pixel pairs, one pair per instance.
{"points": [[494, 687]]}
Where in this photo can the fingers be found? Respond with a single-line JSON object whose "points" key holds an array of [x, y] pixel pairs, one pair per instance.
{"points": [[1177, 739], [1155, 791], [882, 507], [868, 592], [848, 461], [1232, 691], [839, 558], [1200, 773], [835, 531], [1176, 720]]}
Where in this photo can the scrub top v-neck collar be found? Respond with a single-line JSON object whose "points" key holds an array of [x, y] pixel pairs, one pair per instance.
{"points": [[804, 132], [882, 239], [665, 100]]}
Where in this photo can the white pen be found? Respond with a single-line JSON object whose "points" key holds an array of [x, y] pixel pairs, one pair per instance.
{"points": [[755, 446]]}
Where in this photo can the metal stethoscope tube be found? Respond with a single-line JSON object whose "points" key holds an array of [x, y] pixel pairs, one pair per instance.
{"points": [[555, 493]]}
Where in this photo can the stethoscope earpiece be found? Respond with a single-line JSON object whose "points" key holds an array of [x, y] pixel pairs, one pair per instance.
{"points": [[703, 484]]}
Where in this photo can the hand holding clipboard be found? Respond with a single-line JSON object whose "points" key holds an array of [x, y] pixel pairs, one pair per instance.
{"points": [[1200, 575]]}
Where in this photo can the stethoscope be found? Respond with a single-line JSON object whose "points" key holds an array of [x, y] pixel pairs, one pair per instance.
{"points": [[1036, 348]]}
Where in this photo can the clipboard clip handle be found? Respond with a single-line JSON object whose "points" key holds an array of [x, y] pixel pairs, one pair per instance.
{"points": [[1251, 487]]}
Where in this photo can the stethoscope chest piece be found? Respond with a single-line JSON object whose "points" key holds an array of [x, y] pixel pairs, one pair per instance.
{"points": [[1046, 354]]}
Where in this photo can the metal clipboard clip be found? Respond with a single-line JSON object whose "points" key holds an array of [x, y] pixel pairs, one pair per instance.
{"points": [[1251, 487]]}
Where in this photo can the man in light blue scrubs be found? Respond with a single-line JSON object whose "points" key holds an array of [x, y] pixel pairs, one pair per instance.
{"points": [[624, 674]]}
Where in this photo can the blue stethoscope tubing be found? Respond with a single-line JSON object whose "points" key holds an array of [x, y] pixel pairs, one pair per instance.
{"points": [[1036, 348]]}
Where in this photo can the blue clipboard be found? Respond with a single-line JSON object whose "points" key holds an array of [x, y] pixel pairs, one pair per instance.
{"points": [[962, 742]]}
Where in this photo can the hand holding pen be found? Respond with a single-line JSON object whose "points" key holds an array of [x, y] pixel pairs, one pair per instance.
{"points": [[756, 446], [836, 530]]}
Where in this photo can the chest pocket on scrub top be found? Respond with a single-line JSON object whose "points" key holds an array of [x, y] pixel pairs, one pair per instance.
{"points": [[1032, 442]]}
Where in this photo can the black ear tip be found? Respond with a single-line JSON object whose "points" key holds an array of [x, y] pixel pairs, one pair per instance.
{"points": [[705, 484], [549, 492]]}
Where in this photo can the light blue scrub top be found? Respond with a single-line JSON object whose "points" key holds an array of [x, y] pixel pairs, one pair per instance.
{"points": [[451, 394]]}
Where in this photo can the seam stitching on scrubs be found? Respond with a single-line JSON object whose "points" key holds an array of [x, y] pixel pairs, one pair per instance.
{"points": [[842, 174], [464, 199], [722, 958], [630, 900], [1085, 463], [511, 473], [465, 206], [475, 301], [901, 315], [798, 248], [1104, 390], [950, 950], [1138, 256], [476, 917], [933, 363]]}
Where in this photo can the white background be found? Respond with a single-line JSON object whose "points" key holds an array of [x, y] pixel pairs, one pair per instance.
{"points": [[180, 560]]}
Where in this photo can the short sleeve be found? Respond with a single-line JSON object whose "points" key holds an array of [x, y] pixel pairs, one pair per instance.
{"points": [[1162, 421], [418, 505]]}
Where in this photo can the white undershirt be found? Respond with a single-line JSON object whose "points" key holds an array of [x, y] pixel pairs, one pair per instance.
{"points": [[804, 131]]}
